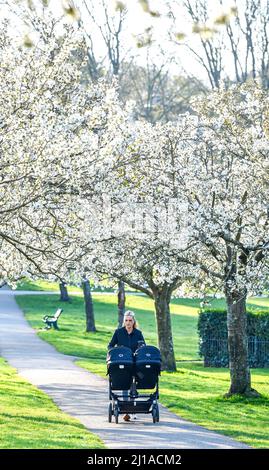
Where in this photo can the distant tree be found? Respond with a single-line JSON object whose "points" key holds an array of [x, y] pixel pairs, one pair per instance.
{"points": [[89, 310], [64, 292], [102, 26], [121, 303], [157, 93], [232, 46]]}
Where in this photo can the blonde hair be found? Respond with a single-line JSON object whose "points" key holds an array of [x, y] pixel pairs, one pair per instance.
{"points": [[129, 313]]}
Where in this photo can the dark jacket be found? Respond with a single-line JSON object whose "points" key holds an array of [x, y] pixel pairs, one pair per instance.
{"points": [[122, 338]]}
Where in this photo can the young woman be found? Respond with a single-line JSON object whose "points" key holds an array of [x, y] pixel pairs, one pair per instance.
{"points": [[130, 337]]}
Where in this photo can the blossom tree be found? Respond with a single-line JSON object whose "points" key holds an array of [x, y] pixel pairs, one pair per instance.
{"points": [[219, 164], [130, 225], [228, 194], [52, 128]]}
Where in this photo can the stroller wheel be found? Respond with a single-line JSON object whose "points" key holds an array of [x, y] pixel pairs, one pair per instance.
{"points": [[116, 414], [110, 413], [155, 414]]}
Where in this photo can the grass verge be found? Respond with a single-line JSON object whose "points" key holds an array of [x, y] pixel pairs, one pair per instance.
{"points": [[30, 420]]}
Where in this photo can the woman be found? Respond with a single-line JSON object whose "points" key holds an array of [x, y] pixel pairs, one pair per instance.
{"points": [[130, 337]]}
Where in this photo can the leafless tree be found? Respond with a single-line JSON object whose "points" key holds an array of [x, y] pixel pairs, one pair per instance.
{"points": [[159, 94], [238, 50], [110, 28]]}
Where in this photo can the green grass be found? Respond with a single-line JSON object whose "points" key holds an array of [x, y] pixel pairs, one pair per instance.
{"points": [[193, 392], [43, 285], [30, 420], [196, 393]]}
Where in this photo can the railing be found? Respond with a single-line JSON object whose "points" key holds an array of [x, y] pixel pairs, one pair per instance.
{"points": [[215, 352]]}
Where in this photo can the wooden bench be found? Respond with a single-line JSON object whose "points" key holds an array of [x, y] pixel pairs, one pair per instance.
{"points": [[52, 320]]}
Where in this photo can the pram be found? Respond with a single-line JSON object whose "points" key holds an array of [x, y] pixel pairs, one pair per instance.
{"points": [[133, 372]]}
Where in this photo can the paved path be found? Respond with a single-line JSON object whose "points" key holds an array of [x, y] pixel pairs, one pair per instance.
{"points": [[84, 395]]}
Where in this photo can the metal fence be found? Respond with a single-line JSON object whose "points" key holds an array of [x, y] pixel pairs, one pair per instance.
{"points": [[215, 352], [258, 351]]}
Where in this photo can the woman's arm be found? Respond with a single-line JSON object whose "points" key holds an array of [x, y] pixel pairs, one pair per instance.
{"points": [[114, 340], [142, 337]]}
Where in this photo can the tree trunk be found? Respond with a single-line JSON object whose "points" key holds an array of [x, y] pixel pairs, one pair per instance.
{"points": [[238, 345], [64, 293], [162, 299], [90, 323], [121, 303]]}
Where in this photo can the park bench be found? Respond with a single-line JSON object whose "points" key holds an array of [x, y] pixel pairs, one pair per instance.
{"points": [[52, 320]]}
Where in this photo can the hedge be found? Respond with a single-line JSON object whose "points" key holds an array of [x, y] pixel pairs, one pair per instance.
{"points": [[213, 344]]}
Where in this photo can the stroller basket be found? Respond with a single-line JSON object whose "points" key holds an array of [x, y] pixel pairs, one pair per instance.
{"points": [[120, 367], [135, 406], [147, 367]]}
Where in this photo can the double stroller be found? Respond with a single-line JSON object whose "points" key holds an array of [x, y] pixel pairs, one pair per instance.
{"points": [[132, 372]]}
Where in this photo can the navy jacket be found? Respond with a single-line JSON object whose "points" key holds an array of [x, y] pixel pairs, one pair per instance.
{"points": [[122, 338]]}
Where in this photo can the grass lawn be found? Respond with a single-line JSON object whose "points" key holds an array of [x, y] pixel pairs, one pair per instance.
{"points": [[30, 420], [193, 392], [43, 285]]}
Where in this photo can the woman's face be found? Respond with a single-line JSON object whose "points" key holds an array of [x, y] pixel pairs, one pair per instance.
{"points": [[129, 323]]}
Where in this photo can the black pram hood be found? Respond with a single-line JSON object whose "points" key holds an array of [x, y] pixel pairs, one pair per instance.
{"points": [[120, 355], [149, 354]]}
